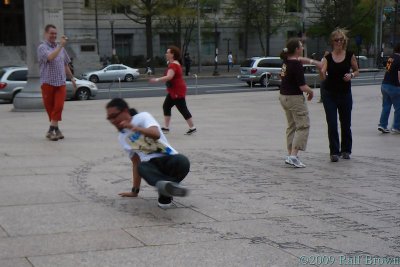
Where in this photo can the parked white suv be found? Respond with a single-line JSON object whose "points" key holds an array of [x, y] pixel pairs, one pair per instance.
{"points": [[258, 69]]}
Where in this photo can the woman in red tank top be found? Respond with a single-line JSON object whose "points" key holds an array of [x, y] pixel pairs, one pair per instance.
{"points": [[176, 88]]}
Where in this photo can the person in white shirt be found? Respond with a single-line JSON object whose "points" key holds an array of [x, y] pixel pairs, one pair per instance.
{"points": [[153, 158]]}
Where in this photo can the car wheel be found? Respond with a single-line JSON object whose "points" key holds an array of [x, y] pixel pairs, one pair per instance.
{"points": [[94, 78], [264, 81], [14, 95], [129, 78], [82, 94]]}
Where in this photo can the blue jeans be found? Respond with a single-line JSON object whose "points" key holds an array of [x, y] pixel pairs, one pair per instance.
{"points": [[390, 96], [342, 104]]}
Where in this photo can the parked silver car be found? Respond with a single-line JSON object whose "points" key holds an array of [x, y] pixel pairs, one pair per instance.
{"points": [[13, 79], [311, 75], [112, 73], [254, 70]]}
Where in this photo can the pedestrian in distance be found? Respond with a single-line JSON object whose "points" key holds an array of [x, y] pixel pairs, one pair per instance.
{"points": [[152, 157], [293, 102], [230, 61], [339, 68], [176, 88], [390, 89], [188, 63], [54, 67]]}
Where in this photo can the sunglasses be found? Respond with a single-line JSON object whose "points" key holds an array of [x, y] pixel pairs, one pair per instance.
{"points": [[341, 40], [113, 116]]}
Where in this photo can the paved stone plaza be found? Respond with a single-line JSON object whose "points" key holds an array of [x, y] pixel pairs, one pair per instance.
{"points": [[59, 203]]}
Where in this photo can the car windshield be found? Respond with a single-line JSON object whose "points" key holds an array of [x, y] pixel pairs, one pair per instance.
{"points": [[247, 63]]}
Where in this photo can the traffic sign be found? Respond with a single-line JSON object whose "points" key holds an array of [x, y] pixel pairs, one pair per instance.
{"points": [[388, 9]]}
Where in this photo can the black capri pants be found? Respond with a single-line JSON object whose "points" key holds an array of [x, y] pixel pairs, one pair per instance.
{"points": [[180, 104]]}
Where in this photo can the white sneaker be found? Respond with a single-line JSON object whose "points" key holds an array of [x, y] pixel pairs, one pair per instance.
{"points": [[287, 160], [293, 160], [395, 131], [383, 130]]}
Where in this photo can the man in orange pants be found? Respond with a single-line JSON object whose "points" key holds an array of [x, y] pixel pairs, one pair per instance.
{"points": [[53, 63]]}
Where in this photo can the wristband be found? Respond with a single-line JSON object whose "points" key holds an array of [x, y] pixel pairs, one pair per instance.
{"points": [[135, 190]]}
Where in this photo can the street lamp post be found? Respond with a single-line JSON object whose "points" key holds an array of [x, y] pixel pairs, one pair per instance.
{"points": [[215, 73], [112, 35], [228, 50]]}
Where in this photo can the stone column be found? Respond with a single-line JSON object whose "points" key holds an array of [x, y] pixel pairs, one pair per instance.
{"points": [[37, 14]]}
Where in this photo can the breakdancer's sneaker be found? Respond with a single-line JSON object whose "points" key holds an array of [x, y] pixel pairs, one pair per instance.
{"points": [[167, 188]]}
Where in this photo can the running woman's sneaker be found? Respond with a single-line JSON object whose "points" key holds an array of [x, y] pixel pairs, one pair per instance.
{"points": [[167, 188], [165, 130], [191, 131]]}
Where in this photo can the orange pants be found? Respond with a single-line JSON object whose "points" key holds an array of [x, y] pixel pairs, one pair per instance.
{"points": [[53, 100]]}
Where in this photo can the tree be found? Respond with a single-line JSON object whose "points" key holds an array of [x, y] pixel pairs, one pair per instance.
{"points": [[141, 12], [265, 18], [179, 18], [359, 17]]}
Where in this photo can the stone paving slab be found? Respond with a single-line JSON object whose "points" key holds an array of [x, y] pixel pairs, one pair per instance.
{"points": [[53, 244], [246, 207], [236, 253], [16, 262]]}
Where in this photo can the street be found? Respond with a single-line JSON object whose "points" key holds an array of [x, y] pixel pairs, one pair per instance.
{"points": [[213, 85]]}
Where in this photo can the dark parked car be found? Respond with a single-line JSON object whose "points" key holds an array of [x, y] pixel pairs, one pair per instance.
{"points": [[13, 79]]}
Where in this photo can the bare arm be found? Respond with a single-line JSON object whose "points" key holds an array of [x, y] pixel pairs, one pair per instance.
{"points": [[152, 132], [70, 75], [354, 67], [324, 69], [169, 76], [305, 88], [136, 179], [306, 60], [59, 48]]}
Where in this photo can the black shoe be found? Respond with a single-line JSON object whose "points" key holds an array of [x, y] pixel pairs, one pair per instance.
{"points": [[165, 202], [165, 130], [167, 188], [191, 131], [346, 155], [334, 158]]}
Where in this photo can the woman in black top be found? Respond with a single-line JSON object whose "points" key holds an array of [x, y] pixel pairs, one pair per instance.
{"points": [[339, 67], [293, 102]]}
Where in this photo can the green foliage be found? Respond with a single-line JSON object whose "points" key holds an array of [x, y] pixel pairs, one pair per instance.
{"points": [[358, 16]]}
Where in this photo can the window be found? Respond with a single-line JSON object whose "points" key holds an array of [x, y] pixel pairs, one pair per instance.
{"points": [[87, 3], [88, 48], [124, 44], [166, 39], [120, 9], [19, 75], [270, 63], [293, 6], [241, 41]]}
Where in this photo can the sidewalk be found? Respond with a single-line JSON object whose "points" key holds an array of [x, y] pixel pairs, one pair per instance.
{"points": [[59, 204]]}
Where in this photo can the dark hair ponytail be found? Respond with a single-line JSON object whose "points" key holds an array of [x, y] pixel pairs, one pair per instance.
{"points": [[290, 48]]}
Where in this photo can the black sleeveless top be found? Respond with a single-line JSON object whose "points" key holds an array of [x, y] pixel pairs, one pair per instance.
{"points": [[335, 74]]}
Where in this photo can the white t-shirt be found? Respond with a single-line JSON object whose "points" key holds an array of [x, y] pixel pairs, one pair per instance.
{"points": [[146, 147]]}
